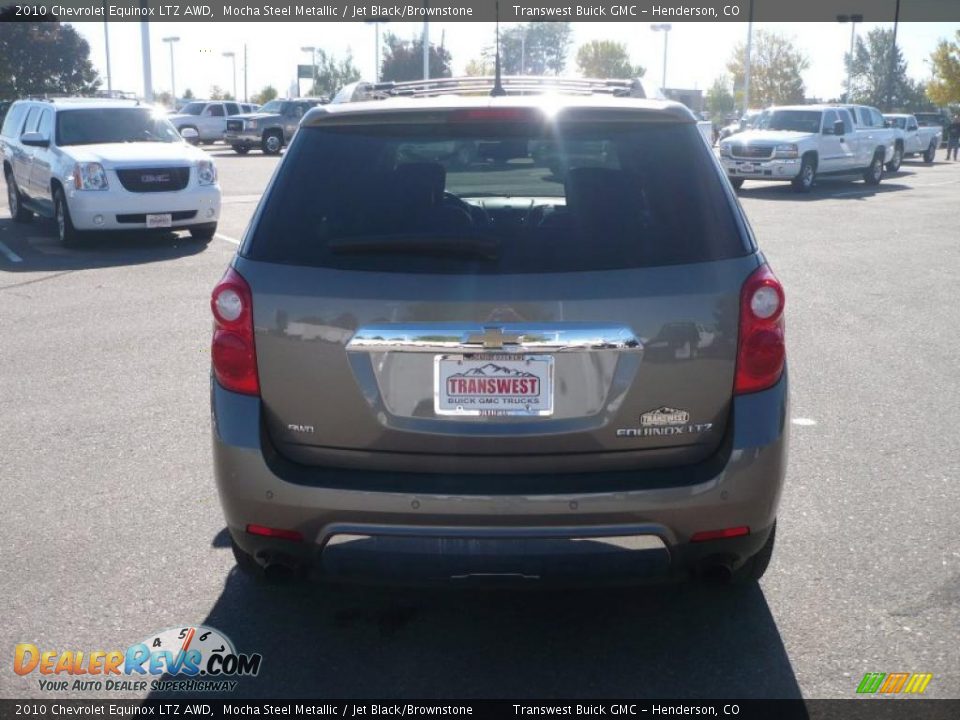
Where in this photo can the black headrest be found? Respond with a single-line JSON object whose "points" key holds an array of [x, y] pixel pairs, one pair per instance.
{"points": [[590, 189], [421, 180]]}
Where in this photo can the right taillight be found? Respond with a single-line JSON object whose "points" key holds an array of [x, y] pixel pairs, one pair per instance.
{"points": [[233, 351], [761, 352]]}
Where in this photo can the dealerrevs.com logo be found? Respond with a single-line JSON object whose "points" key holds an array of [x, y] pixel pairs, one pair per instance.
{"points": [[184, 659]]}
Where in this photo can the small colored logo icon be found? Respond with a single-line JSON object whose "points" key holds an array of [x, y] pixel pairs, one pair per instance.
{"points": [[894, 683]]}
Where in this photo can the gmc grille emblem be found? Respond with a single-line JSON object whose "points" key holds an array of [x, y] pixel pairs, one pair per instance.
{"points": [[162, 178]]}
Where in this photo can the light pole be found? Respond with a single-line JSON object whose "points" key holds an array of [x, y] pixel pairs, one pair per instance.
{"points": [[746, 62], [376, 47], [426, 47], [145, 53], [233, 57], [106, 42], [666, 28], [853, 20], [313, 64], [173, 81]]}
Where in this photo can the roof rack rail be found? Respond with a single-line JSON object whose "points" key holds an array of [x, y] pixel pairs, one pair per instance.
{"points": [[482, 85]]}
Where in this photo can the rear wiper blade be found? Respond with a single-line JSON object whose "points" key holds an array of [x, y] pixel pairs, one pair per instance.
{"points": [[416, 245]]}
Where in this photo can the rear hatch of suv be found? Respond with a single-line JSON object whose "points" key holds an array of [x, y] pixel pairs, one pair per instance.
{"points": [[497, 289]]}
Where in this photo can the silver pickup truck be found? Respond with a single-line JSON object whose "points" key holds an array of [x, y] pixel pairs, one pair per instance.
{"points": [[914, 139], [205, 121], [800, 143]]}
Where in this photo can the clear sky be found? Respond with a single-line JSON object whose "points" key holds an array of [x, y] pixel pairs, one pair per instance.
{"points": [[697, 52]]}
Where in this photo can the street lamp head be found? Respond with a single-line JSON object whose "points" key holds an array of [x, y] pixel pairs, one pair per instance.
{"points": [[229, 54], [666, 27], [172, 39], [308, 48]]}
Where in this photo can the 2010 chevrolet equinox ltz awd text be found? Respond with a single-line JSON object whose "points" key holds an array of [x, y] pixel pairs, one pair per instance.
{"points": [[524, 337]]}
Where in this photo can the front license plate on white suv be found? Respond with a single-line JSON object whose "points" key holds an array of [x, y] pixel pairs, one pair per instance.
{"points": [[161, 220], [747, 167], [493, 385]]}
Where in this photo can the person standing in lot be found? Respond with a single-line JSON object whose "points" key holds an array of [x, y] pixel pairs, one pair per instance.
{"points": [[953, 137]]}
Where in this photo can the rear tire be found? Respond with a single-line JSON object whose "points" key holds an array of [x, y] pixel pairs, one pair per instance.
{"points": [[897, 160], [203, 233], [69, 236], [241, 149], [272, 143], [804, 181], [15, 200], [755, 567], [874, 173]]}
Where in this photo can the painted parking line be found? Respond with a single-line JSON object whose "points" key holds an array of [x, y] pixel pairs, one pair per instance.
{"points": [[227, 238], [238, 199], [10, 254]]}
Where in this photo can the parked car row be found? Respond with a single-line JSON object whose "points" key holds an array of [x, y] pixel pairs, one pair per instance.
{"points": [[205, 120], [97, 165], [800, 143]]}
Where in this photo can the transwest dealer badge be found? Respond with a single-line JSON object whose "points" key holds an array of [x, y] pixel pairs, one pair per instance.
{"points": [[664, 417], [665, 421]]}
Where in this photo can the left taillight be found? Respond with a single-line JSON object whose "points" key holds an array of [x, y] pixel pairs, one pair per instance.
{"points": [[761, 350], [233, 351]]}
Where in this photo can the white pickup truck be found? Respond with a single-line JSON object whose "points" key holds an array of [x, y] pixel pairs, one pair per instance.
{"points": [[799, 143], [914, 139]]}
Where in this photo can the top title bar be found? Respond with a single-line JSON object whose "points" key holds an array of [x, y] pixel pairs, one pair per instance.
{"points": [[480, 11]]}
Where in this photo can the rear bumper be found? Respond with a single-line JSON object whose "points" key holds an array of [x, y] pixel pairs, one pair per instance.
{"points": [[762, 170], [402, 534], [118, 209]]}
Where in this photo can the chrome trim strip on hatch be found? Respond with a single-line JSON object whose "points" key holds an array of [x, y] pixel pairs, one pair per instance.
{"points": [[500, 337]]}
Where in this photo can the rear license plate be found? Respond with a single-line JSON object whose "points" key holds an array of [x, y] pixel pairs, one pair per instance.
{"points": [[496, 385], [162, 220]]}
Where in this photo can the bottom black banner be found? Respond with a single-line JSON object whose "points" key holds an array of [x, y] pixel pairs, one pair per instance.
{"points": [[865, 709]]}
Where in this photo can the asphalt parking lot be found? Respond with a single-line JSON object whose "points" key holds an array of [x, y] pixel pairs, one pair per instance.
{"points": [[112, 529]]}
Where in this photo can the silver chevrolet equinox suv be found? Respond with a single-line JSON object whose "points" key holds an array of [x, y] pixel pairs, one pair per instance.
{"points": [[432, 369]]}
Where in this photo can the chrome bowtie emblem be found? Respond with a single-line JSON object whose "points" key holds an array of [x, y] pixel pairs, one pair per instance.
{"points": [[493, 338]]}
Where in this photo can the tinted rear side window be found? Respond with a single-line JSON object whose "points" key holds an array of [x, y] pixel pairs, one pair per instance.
{"points": [[561, 198], [14, 121]]}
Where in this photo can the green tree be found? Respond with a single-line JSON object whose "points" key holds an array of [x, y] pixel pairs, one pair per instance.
{"points": [[607, 59], [163, 98], [870, 68], [944, 87], [719, 100], [776, 70], [188, 94], [479, 67], [268, 93], [216, 92], [541, 47], [44, 57], [403, 59], [332, 75]]}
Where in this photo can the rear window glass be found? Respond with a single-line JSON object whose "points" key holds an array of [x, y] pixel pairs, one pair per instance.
{"points": [[513, 198]]}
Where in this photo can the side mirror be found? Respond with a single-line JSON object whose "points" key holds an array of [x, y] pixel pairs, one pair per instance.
{"points": [[35, 139], [189, 134], [838, 127]]}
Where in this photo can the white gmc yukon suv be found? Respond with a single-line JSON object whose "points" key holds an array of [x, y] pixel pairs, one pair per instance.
{"points": [[97, 165], [799, 143]]}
